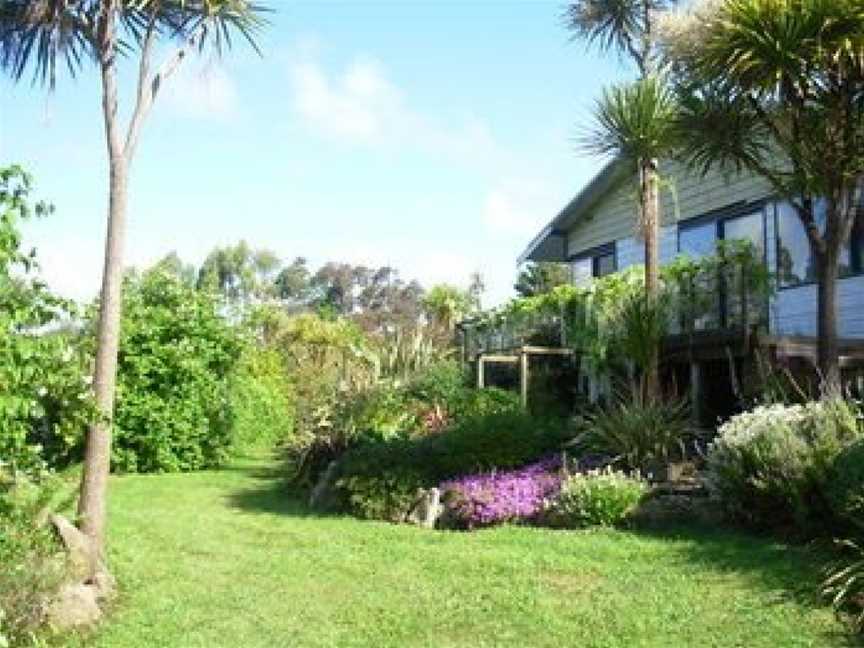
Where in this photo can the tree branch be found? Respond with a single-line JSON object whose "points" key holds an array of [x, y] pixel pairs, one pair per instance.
{"points": [[149, 86]]}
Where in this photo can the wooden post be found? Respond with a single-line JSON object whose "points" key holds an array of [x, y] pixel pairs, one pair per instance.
{"points": [[523, 378], [481, 379]]}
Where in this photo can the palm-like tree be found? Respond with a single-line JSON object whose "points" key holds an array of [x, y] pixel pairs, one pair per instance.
{"points": [[44, 36], [446, 305], [625, 26], [637, 122], [633, 121], [777, 87]]}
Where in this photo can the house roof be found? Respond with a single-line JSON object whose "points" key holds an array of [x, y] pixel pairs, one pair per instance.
{"points": [[551, 243]]}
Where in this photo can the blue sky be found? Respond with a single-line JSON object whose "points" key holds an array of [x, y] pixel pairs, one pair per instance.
{"points": [[435, 136]]}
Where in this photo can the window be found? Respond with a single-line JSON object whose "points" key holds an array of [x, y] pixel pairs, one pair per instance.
{"points": [[698, 240], [856, 245], [746, 228], [604, 264], [582, 271], [597, 262], [722, 304], [795, 261]]}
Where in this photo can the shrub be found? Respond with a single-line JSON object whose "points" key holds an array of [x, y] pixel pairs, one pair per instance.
{"points": [[501, 496], [498, 441], [595, 498], [176, 356], [388, 496], [347, 418], [770, 466], [634, 432], [846, 485], [45, 401], [442, 383], [844, 584], [475, 403], [33, 562], [445, 396], [261, 399]]}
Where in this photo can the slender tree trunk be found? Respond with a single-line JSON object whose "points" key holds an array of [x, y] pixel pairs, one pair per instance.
{"points": [[97, 459], [649, 196], [828, 352]]}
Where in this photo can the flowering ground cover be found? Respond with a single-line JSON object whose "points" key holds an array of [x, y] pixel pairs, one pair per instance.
{"points": [[502, 496], [228, 558]]}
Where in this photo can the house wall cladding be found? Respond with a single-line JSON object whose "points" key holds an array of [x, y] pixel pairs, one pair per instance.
{"points": [[614, 216], [792, 310]]}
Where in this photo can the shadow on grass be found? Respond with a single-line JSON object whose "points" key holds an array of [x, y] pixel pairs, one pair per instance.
{"points": [[790, 572], [271, 491]]}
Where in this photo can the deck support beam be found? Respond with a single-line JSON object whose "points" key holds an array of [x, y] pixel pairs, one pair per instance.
{"points": [[696, 392], [524, 378]]}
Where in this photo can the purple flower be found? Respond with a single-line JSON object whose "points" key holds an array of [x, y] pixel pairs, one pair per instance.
{"points": [[502, 496]]}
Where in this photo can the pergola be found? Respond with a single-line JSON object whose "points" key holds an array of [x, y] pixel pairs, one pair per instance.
{"points": [[520, 356]]}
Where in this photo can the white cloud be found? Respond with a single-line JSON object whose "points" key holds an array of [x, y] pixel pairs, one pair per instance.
{"points": [[355, 106], [518, 208], [204, 93], [360, 104]]}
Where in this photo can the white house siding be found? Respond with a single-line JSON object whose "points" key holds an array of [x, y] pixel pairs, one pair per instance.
{"points": [[795, 309], [613, 218]]}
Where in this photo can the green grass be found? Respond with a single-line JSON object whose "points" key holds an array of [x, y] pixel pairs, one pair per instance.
{"points": [[229, 559]]}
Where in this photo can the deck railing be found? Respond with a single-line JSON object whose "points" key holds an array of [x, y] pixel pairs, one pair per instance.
{"points": [[728, 291]]}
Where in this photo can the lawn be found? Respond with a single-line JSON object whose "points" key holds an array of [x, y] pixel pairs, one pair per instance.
{"points": [[227, 558]]}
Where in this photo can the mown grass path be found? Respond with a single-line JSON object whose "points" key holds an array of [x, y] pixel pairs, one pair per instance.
{"points": [[227, 558]]}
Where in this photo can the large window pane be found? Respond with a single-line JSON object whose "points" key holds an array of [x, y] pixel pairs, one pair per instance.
{"points": [[742, 306], [795, 263], [698, 240], [583, 270], [746, 228], [701, 308]]}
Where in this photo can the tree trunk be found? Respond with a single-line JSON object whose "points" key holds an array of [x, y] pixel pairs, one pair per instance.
{"points": [[828, 353], [649, 198], [97, 458]]}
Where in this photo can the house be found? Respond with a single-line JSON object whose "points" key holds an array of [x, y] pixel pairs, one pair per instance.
{"points": [[595, 234]]}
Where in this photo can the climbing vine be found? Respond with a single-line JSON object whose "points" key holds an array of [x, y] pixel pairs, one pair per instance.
{"points": [[604, 319]]}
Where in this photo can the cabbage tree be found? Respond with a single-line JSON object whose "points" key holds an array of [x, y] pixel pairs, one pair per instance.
{"points": [[776, 87], [636, 122], [46, 37], [633, 119]]}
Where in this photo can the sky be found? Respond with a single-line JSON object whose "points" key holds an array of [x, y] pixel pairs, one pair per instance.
{"points": [[436, 136]]}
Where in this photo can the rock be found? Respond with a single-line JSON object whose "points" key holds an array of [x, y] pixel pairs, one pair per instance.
{"points": [[83, 560], [76, 605], [426, 509], [104, 582], [321, 495], [676, 508]]}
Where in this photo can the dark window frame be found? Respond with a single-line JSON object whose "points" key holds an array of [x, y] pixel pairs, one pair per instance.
{"points": [[595, 264], [720, 216], [595, 253]]}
